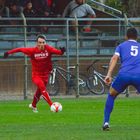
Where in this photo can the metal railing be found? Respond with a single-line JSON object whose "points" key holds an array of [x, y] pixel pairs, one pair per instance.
{"points": [[65, 38], [101, 25], [117, 13]]}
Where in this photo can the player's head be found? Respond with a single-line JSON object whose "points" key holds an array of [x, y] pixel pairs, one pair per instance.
{"points": [[42, 36], [41, 41], [80, 1], [132, 33]]}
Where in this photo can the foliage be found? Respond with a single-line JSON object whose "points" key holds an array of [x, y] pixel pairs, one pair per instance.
{"points": [[115, 4]]}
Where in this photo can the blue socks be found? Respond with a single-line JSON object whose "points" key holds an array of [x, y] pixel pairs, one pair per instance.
{"points": [[108, 107]]}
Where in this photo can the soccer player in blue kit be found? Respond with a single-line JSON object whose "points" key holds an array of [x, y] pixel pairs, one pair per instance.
{"points": [[129, 74]]}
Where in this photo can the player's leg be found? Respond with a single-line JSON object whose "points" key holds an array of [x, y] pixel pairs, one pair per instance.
{"points": [[136, 82], [46, 96], [45, 93], [109, 107], [118, 86], [36, 97], [42, 87]]}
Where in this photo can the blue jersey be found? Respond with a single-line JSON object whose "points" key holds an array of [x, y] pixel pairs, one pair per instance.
{"points": [[129, 52]]}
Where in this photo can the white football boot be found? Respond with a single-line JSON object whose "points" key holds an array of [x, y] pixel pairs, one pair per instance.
{"points": [[34, 109]]}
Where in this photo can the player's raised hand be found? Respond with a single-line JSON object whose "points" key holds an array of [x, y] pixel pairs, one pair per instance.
{"points": [[108, 80], [62, 49], [5, 55]]}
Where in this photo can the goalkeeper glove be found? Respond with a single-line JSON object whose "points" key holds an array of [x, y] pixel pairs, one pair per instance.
{"points": [[5, 55], [62, 49]]}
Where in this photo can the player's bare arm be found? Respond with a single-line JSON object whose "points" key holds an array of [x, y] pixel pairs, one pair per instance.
{"points": [[112, 64]]}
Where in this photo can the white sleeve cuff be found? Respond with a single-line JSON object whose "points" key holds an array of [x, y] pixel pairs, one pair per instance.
{"points": [[116, 53]]}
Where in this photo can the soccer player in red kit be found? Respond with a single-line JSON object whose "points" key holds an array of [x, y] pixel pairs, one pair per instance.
{"points": [[40, 56]]}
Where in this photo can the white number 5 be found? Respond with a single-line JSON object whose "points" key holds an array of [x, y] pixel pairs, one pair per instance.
{"points": [[134, 50]]}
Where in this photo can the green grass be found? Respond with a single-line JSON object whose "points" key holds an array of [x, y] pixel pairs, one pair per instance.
{"points": [[81, 119]]}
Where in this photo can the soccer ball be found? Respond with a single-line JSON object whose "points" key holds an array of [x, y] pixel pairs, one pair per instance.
{"points": [[56, 107]]}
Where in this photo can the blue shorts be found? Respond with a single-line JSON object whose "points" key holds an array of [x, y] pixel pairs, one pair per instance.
{"points": [[123, 80]]}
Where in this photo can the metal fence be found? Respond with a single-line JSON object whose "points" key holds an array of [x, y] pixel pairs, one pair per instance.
{"points": [[81, 49]]}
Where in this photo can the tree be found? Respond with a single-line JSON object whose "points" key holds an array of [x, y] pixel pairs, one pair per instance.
{"points": [[130, 7], [114, 3], [133, 8]]}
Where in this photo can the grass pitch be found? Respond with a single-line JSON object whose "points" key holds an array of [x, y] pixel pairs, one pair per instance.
{"points": [[81, 119]]}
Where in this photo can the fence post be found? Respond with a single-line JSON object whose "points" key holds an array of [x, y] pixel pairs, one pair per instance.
{"points": [[25, 57], [77, 58], [67, 43]]}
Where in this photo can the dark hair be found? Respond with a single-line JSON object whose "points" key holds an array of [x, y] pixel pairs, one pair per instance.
{"points": [[132, 33], [41, 36]]}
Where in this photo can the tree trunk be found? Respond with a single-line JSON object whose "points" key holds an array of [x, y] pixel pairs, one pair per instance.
{"points": [[132, 7]]}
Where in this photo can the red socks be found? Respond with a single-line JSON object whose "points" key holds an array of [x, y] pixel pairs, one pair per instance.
{"points": [[46, 96], [36, 98]]}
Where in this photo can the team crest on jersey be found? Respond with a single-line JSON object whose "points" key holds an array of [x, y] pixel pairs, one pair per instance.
{"points": [[41, 55]]}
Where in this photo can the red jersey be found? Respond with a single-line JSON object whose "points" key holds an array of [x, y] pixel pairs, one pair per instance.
{"points": [[40, 59]]}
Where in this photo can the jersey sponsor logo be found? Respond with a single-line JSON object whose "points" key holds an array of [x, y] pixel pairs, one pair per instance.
{"points": [[41, 55]]}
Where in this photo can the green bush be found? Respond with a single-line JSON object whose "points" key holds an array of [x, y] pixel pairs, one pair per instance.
{"points": [[115, 4]]}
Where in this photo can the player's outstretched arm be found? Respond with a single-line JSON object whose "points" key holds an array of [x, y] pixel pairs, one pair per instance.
{"points": [[26, 51], [16, 50], [58, 51]]}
